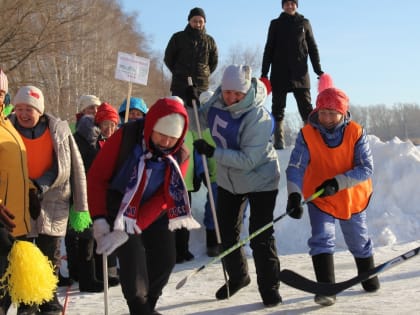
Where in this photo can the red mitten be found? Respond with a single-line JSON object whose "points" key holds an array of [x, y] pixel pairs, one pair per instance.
{"points": [[267, 84], [325, 82]]}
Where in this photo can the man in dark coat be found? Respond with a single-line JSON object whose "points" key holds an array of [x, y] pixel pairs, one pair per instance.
{"points": [[289, 42], [191, 52]]}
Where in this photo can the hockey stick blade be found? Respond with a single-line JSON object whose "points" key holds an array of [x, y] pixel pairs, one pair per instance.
{"points": [[299, 282]]}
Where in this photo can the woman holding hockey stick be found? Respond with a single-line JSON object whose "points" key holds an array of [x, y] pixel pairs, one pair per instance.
{"points": [[332, 153], [247, 169]]}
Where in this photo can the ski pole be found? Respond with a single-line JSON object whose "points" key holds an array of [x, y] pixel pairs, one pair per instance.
{"points": [[242, 242], [209, 188], [105, 276]]}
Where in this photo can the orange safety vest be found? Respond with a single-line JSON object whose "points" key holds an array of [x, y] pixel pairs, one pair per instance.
{"points": [[326, 162], [40, 154]]}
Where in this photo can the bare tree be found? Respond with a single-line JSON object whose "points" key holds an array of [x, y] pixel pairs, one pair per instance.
{"points": [[69, 48]]}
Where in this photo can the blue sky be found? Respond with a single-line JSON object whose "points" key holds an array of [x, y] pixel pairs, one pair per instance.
{"points": [[371, 48]]}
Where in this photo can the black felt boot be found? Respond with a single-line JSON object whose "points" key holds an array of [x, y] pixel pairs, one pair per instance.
{"points": [[52, 307], [324, 271], [182, 237], [213, 248], [363, 265], [137, 307], [87, 273], [234, 286], [279, 135]]}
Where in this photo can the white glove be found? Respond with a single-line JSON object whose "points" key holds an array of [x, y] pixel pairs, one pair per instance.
{"points": [[111, 241], [130, 226], [100, 228]]}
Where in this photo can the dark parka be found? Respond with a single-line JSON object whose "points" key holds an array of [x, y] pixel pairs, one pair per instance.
{"points": [[192, 53], [86, 137], [289, 42]]}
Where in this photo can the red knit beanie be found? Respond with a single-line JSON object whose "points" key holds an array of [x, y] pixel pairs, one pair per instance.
{"points": [[333, 98], [106, 112]]}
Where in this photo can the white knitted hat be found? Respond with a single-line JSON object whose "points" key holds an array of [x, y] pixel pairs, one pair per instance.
{"points": [[30, 95], [4, 83], [237, 78], [88, 100], [171, 125]]}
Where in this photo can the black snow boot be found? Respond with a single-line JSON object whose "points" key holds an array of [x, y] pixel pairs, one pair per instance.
{"points": [[27, 309], [213, 248], [267, 267], [87, 279], [363, 265], [5, 302], [87, 273], [72, 249], [182, 237], [137, 307], [52, 307], [278, 135], [234, 286], [113, 276], [324, 272]]}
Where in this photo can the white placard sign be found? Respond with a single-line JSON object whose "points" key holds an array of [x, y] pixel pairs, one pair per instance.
{"points": [[132, 68]]}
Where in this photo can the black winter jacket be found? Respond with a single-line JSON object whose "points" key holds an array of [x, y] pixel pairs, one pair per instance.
{"points": [[190, 53], [289, 42], [86, 137]]}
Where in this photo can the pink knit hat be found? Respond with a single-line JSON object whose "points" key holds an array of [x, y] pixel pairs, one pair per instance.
{"points": [[333, 98]]}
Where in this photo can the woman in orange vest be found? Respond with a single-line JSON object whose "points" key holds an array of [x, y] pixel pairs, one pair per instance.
{"points": [[332, 153], [56, 168]]}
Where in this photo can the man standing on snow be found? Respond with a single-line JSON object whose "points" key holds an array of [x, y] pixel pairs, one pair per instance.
{"points": [[190, 53], [289, 42]]}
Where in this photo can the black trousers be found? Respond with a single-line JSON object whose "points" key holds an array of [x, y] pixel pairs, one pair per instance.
{"points": [[230, 216], [146, 262], [50, 246], [303, 100], [5, 300]]}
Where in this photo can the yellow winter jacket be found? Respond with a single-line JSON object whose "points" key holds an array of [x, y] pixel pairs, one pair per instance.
{"points": [[14, 180]]}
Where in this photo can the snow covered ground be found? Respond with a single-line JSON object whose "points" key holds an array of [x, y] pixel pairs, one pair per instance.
{"points": [[394, 224]]}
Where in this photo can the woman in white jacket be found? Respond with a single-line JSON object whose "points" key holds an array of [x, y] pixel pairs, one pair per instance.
{"points": [[56, 168]]}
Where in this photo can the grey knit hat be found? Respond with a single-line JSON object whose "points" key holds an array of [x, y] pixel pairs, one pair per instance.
{"points": [[237, 78]]}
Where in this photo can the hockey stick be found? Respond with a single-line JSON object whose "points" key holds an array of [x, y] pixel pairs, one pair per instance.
{"points": [[105, 277], [299, 282], [242, 242], [209, 189]]}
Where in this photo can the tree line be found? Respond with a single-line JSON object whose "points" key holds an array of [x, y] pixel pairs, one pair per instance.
{"points": [[68, 48], [385, 122]]}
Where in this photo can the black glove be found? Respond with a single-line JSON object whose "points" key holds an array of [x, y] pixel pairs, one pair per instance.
{"points": [[203, 147], [330, 187], [192, 93], [6, 242], [6, 218], [319, 73], [295, 202], [34, 203]]}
